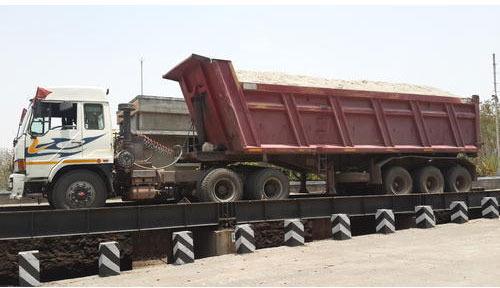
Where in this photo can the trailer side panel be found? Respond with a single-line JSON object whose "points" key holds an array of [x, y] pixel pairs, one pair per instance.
{"points": [[270, 118]]}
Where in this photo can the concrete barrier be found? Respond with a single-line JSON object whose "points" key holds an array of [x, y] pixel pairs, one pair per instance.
{"points": [[245, 239], [341, 227], [459, 212], [385, 221], [489, 207], [29, 268], [183, 247], [424, 217], [487, 183], [109, 259], [294, 232]]}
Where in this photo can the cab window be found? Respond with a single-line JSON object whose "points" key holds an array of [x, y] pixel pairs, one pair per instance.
{"points": [[94, 116], [53, 116]]}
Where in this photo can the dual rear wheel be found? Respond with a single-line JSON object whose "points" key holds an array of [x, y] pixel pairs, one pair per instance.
{"points": [[225, 185], [428, 179]]}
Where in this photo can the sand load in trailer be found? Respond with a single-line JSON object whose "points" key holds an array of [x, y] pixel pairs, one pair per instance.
{"points": [[274, 113]]}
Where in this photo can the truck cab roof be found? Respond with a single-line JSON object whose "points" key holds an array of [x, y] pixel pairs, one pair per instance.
{"points": [[72, 93]]}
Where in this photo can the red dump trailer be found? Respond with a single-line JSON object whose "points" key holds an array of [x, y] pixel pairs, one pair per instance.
{"points": [[402, 142]]}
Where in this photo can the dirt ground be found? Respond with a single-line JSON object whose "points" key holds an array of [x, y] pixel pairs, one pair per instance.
{"points": [[448, 255]]}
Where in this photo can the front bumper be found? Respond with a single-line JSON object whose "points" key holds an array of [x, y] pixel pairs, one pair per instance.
{"points": [[16, 185]]}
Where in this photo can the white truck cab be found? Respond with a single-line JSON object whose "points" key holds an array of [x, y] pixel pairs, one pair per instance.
{"points": [[64, 147]]}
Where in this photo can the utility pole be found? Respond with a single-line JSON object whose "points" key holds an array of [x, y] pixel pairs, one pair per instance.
{"points": [[142, 79], [495, 96]]}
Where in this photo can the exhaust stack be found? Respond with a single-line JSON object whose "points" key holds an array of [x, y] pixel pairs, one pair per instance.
{"points": [[125, 129]]}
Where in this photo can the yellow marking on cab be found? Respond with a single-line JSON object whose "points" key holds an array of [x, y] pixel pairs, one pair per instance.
{"points": [[68, 161], [32, 149]]}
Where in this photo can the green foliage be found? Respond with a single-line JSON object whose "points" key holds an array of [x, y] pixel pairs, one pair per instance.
{"points": [[295, 176], [5, 167], [486, 162]]}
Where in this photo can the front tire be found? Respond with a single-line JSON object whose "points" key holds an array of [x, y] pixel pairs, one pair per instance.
{"points": [[79, 189]]}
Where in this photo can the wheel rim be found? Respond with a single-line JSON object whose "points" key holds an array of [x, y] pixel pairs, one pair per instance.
{"points": [[224, 189], [431, 184], [460, 183], [272, 187], [80, 194], [398, 185]]}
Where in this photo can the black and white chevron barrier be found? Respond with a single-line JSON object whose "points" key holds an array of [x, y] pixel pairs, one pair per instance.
{"points": [[29, 268], [294, 232], [385, 221], [183, 247], [109, 259], [341, 227], [245, 239], [459, 212], [489, 207], [424, 217]]}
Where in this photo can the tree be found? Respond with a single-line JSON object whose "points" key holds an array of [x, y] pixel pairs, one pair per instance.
{"points": [[487, 161], [5, 167]]}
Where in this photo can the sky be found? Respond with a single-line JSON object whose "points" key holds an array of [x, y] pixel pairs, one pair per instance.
{"points": [[449, 47]]}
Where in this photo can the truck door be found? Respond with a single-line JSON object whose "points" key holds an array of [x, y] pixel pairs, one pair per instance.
{"points": [[55, 137], [97, 146]]}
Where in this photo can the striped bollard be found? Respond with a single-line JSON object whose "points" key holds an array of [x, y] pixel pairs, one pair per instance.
{"points": [[29, 268], [424, 217], [385, 221], [183, 247], [245, 239], [489, 207], [459, 212], [341, 227], [294, 232], [109, 259]]}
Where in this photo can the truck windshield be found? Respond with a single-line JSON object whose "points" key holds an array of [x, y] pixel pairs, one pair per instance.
{"points": [[51, 116]]}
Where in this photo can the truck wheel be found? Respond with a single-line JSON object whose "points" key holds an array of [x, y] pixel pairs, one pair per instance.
{"points": [[220, 185], [49, 199], [79, 189], [397, 181], [267, 183], [458, 179], [429, 179]]}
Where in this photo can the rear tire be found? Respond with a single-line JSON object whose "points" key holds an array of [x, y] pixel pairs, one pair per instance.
{"points": [[78, 189], [429, 179], [220, 185], [397, 181], [268, 184], [458, 179]]}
